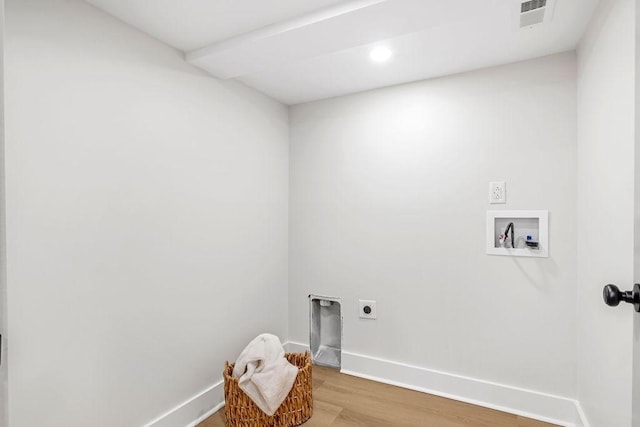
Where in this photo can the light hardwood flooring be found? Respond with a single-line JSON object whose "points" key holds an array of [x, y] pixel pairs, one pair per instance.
{"points": [[343, 400]]}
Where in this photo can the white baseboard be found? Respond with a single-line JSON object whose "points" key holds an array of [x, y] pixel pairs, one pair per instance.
{"points": [[515, 400], [295, 347], [206, 415], [546, 407], [194, 410], [581, 418]]}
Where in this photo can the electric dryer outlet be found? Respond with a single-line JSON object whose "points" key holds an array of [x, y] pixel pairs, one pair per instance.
{"points": [[367, 309]]}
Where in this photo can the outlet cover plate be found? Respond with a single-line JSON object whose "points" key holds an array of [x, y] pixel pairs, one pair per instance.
{"points": [[373, 314], [497, 192]]}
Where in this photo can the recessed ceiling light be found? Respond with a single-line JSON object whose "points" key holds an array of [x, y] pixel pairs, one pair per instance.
{"points": [[380, 54]]}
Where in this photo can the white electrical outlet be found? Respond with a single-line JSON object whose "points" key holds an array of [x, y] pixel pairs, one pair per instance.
{"points": [[497, 192], [367, 309]]}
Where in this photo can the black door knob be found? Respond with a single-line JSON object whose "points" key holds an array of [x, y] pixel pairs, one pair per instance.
{"points": [[612, 296]]}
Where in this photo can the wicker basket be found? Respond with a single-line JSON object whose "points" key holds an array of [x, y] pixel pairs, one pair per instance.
{"points": [[297, 407]]}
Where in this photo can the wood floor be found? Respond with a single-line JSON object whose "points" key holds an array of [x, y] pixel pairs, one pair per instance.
{"points": [[343, 400]]}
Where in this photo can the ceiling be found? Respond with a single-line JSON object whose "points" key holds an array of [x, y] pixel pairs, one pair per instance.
{"points": [[303, 50]]}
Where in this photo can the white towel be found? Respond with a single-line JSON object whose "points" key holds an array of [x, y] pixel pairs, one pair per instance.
{"points": [[265, 375]]}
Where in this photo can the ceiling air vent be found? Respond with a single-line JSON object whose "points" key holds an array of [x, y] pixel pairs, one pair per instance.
{"points": [[534, 12], [532, 5]]}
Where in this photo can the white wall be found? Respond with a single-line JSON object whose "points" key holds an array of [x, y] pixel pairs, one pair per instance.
{"points": [[606, 81], [146, 219], [635, 397], [3, 261], [388, 196]]}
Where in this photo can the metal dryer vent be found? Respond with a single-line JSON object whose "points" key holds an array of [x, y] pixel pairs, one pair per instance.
{"points": [[534, 12], [325, 330]]}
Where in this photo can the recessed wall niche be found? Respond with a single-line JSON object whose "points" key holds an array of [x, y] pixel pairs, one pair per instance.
{"points": [[518, 233]]}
